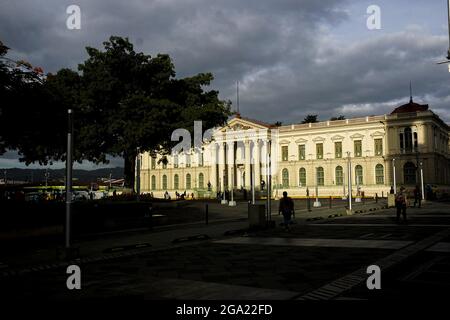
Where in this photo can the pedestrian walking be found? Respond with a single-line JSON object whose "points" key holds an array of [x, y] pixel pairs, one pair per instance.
{"points": [[286, 208], [400, 204]]}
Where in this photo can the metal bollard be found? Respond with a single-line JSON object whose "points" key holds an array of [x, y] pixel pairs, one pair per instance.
{"points": [[206, 214], [149, 217], [376, 197]]}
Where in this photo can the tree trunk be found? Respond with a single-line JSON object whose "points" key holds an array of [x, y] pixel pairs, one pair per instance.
{"points": [[129, 169]]}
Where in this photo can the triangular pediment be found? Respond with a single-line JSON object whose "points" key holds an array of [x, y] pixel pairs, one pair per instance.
{"points": [[377, 134], [319, 139], [357, 136], [301, 141], [239, 124], [337, 138]]}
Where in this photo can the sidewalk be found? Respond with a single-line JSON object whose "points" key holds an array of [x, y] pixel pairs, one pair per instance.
{"points": [[271, 263]]}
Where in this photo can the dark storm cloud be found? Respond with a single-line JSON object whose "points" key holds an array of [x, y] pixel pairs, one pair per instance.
{"points": [[284, 53]]}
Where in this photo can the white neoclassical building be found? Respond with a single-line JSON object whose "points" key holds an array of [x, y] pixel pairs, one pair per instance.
{"points": [[412, 140]]}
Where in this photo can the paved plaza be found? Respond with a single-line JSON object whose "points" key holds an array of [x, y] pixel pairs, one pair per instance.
{"points": [[322, 258]]}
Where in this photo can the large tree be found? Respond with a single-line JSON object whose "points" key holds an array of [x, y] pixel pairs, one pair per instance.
{"points": [[22, 98], [137, 102], [125, 102]]}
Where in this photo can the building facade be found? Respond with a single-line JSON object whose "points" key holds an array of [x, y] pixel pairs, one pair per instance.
{"points": [[412, 140]]}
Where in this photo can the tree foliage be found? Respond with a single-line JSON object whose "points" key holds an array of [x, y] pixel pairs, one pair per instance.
{"points": [[124, 102], [310, 118], [341, 117]]}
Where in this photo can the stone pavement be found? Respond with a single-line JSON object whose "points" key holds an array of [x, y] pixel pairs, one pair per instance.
{"points": [[261, 265], [224, 219]]}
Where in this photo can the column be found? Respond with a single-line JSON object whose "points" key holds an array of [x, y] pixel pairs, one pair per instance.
{"points": [[230, 146], [247, 165], [213, 173], [221, 166], [257, 163]]}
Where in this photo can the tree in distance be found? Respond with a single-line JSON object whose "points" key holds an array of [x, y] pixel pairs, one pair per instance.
{"points": [[310, 118]]}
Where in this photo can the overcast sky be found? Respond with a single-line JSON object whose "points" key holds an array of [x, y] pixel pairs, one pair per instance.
{"points": [[291, 57]]}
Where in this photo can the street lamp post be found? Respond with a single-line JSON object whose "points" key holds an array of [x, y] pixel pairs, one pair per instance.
{"points": [[349, 169], [252, 182], [393, 174], [138, 175], [421, 180], [269, 182], [317, 202], [343, 186], [448, 21], [232, 203], [46, 178], [224, 201], [69, 165]]}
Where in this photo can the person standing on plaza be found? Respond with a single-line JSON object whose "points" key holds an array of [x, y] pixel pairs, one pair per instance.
{"points": [[417, 197], [400, 204], [286, 208]]}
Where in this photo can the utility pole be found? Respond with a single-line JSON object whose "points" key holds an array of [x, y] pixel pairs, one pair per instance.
{"points": [[69, 165]]}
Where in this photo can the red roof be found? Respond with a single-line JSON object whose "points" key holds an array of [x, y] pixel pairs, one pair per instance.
{"points": [[410, 107]]}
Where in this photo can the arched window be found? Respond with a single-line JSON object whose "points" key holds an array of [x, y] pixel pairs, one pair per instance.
{"points": [[379, 174], [175, 161], [188, 181], [153, 183], [320, 176], [285, 177], [339, 176], [302, 177], [176, 182], [359, 175], [200, 180], [164, 182], [409, 173], [408, 140]]}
